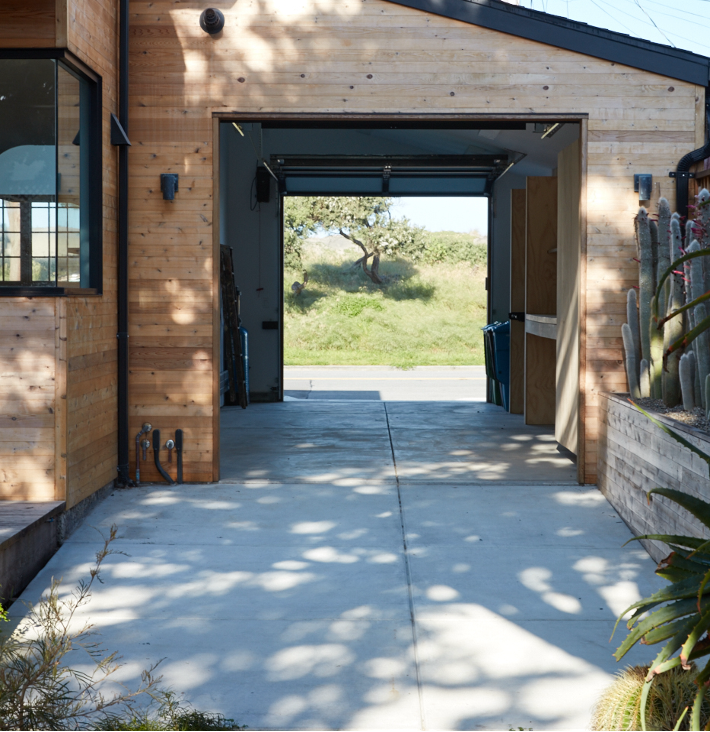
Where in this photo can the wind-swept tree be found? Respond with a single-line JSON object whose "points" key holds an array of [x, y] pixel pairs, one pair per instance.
{"points": [[364, 220]]}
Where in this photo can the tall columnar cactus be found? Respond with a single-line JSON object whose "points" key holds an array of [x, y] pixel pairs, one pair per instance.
{"points": [[664, 249], [647, 280], [702, 342], [686, 370], [673, 360], [632, 318], [674, 327], [632, 364], [644, 379]]}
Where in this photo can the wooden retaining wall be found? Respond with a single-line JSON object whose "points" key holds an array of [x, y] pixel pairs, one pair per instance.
{"points": [[636, 456]]}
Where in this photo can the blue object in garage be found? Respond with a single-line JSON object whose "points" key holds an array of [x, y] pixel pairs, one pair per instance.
{"points": [[244, 337], [501, 359]]}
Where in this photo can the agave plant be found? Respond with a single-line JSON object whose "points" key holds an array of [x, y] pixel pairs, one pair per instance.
{"points": [[679, 613]]}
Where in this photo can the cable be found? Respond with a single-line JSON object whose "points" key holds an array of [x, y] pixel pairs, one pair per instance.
{"points": [[654, 23], [612, 17]]}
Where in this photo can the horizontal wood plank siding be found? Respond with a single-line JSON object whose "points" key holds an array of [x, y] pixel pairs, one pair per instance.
{"points": [[91, 398], [369, 56]]}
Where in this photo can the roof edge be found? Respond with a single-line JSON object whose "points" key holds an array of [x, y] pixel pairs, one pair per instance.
{"points": [[572, 35]]}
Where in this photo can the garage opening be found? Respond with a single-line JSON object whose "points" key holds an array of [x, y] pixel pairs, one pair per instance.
{"points": [[527, 173]]}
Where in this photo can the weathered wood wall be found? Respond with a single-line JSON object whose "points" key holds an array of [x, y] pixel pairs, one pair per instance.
{"points": [[636, 456], [568, 283], [58, 355], [91, 402], [364, 56]]}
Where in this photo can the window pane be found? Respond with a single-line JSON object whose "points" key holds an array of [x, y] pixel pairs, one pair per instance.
{"points": [[28, 171]]}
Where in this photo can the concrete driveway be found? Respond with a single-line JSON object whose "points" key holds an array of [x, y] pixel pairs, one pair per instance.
{"points": [[378, 583]]}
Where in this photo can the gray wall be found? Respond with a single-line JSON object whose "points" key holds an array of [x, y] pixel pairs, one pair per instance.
{"points": [[254, 236], [500, 246]]}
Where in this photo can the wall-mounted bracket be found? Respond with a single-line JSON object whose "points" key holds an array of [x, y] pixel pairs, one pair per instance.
{"points": [[118, 134]]}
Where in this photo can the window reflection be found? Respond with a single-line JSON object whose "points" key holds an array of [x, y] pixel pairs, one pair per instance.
{"points": [[44, 138]]}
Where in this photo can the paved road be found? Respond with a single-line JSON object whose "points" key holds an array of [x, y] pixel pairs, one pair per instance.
{"points": [[386, 383]]}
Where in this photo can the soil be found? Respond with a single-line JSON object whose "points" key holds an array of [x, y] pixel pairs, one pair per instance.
{"points": [[695, 418]]}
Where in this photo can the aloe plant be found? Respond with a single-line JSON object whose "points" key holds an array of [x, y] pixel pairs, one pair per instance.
{"points": [[678, 614]]}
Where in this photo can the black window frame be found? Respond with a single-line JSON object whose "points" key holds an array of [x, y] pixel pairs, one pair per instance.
{"points": [[95, 168]]}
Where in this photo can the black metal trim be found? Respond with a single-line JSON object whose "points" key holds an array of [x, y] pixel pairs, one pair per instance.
{"points": [[572, 35], [95, 202], [47, 291], [123, 438]]}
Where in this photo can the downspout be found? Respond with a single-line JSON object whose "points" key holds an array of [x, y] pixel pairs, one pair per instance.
{"points": [[122, 334], [682, 172]]}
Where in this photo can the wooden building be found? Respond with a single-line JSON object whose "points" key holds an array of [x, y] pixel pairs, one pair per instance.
{"points": [[629, 107]]}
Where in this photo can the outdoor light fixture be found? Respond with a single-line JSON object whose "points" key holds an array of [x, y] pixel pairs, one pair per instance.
{"points": [[212, 21], [169, 185], [643, 183]]}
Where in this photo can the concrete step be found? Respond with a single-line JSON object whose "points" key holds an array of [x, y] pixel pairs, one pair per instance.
{"points": [[29, 536]]}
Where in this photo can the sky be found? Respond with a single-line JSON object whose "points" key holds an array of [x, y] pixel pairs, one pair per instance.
{"points": [[444, 214], [685, 25]]}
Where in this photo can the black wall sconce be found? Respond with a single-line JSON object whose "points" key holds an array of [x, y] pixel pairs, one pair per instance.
{"points": [[169, 185], [643, 183], [212, 20]]}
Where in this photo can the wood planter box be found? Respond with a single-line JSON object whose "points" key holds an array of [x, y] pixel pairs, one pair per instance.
{"points": [[635, 456]]}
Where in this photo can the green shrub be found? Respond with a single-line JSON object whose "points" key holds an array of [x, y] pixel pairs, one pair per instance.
{"points": [[38, 691], [453, 247], [167, 713]]}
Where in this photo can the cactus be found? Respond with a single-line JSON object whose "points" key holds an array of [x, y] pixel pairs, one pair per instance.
{"points": [[674, 327], [647, 280], [644, 379], [686, 370], [702, 342], [645, 343], [632, 363], [632, 318], [664, 249]]}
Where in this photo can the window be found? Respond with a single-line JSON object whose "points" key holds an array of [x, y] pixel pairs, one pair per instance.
{"points": [[50, 188]]}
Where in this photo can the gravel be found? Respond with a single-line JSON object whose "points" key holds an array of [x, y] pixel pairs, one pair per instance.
{"points": [[695, 418]]}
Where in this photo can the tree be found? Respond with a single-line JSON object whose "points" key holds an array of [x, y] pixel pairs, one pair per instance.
{"points": [[364, 220]]}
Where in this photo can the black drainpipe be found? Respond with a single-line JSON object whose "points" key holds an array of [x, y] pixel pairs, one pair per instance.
{"points": [[682, 173], [122, 335]]}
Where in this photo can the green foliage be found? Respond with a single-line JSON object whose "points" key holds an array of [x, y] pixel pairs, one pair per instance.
{"points": [[454, 247], [367, 220], [425, 315], [678, 614], [40, 691], [671, 694], [168, 713]]}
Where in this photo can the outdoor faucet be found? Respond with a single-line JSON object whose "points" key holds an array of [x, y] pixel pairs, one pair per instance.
{"points": [[147, 427]]}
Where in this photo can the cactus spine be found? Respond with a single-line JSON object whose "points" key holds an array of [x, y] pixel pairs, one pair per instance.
{"points": [[686, 370]]}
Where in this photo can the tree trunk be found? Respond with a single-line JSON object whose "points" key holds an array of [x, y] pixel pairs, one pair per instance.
{"points": [[372, 273]]}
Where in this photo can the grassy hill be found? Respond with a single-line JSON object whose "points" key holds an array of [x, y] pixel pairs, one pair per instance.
{"points": [[428, 313]]}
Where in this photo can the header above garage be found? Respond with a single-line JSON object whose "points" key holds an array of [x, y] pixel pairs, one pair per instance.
{"points": [[571, 35]]}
